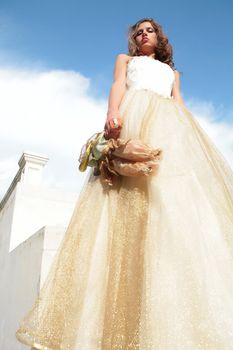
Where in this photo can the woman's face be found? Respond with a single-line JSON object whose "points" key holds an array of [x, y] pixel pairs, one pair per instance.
{"points": [[145, 37]]}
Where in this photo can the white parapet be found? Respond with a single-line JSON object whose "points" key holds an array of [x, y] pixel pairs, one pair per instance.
{"points": [[30, 171], [29, 205], [31, 167]]}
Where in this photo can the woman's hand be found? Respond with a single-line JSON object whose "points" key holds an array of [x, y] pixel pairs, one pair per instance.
{"points": [[112, 126]]}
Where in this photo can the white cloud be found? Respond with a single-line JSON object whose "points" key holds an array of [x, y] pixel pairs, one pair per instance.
{"points": [[219, 130], [46, 112], [51, 112]]}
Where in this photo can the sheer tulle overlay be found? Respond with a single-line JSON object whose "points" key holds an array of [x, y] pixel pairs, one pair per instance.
{"points": [[149, 264]]}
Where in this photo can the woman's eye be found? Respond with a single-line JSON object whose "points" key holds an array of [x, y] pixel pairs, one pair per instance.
{"points": [[140, 32]]}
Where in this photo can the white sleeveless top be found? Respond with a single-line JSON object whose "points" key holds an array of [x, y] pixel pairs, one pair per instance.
{"points": [[144, 72]]}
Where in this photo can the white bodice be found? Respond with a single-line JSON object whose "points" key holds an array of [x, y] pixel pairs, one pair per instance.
{"points": [[144, 72]]}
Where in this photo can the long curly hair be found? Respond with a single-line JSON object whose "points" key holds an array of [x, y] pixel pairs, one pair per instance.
{"points": [[163, 50]]}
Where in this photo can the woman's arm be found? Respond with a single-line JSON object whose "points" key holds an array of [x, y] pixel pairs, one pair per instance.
{"points": [[116, 93], [118, 86], [176, 88]]}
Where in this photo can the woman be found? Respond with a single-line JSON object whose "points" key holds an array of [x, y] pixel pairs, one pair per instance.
{"points": [[143, 40], [148, 262]]}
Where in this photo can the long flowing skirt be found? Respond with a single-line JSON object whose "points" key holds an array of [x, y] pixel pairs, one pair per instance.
{"points": [[147, 263]]}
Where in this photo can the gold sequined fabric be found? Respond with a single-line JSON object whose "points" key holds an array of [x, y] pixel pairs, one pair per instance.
{"points": [[148, 262]]}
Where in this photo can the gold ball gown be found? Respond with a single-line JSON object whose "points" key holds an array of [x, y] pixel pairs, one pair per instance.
{"points": [[147, 263]]}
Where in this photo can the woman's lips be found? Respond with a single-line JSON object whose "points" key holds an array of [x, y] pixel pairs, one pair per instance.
{"points": [[145, 39]]}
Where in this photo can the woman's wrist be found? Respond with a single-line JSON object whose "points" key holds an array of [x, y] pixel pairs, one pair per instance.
{"points": [[112, 113]]}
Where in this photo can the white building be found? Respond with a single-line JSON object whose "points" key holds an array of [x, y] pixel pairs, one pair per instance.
{"points": [[33, 220]]}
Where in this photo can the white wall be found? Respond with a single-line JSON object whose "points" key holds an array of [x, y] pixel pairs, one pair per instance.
{"points": [[33, 220], [36, 206], [25, 271]]}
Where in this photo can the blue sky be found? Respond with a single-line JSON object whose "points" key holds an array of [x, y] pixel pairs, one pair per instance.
{"points": [[87, 35], [66, 50]]}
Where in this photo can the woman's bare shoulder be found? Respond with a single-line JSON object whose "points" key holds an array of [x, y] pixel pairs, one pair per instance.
{"points": [[124, 57]]}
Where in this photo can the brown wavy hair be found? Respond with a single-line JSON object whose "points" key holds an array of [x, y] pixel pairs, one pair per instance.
{"points": [[163, 51]]}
